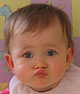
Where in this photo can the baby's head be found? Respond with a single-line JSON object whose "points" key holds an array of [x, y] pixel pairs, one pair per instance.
{"points": [[40, 47]]}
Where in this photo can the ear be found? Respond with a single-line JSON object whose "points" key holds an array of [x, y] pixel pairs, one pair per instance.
{"points": [[69, 57], [9, 61]]}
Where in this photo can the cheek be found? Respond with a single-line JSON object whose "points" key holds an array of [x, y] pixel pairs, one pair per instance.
{"points": [[58, 69], [21, 66], [22, 71]]}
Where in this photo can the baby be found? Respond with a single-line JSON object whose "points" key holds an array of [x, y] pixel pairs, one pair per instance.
{"points": [[38, 38]]}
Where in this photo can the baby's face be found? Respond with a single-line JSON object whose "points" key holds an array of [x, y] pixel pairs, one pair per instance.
{"points": [[40, 60]]}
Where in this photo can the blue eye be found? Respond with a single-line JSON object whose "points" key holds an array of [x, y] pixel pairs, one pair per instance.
{"points": [[28, 55], [51, 53]]}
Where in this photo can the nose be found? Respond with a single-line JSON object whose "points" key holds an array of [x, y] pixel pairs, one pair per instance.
{"points": [[40, 64]]}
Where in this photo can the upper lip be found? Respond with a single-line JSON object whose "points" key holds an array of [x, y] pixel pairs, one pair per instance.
{"points": [[40, 71]]}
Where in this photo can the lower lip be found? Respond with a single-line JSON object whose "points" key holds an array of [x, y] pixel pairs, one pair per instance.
{"points": [[40, 75]]}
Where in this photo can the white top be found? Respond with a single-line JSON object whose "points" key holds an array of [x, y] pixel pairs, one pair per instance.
{"points": [[70, 84]]}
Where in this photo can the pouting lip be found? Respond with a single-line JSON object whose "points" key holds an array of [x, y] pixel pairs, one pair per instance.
{"points": [[40, 73]]}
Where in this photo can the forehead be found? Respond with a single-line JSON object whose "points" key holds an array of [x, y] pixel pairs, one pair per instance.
{"points": [[51, 34], [21, 26], [36, 28]]}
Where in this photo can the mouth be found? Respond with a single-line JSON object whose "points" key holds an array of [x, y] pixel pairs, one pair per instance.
{"points": [[40, 73]]}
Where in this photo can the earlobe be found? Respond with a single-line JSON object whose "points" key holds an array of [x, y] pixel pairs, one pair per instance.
{"points": [[69, 57], [9, 61]]}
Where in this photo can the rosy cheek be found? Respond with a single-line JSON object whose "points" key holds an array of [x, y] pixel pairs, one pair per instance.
{"points": [[22, 69], [58, 69]]}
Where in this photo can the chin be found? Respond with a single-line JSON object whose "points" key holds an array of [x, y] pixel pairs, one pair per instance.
{"points": [[41, 89], [44, 88]]}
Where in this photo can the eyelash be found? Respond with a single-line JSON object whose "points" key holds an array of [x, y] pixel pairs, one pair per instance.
{"points": [[27, 54], [49, 53]]}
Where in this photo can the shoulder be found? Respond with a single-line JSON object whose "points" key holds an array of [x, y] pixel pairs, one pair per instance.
{"points": [[74, 70], [71, 80], [73, 74], [6, 91]]}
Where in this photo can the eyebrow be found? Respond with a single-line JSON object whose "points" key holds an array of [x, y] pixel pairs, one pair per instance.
{"points": [[45, 45], [51, 45], [26, 47]]}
